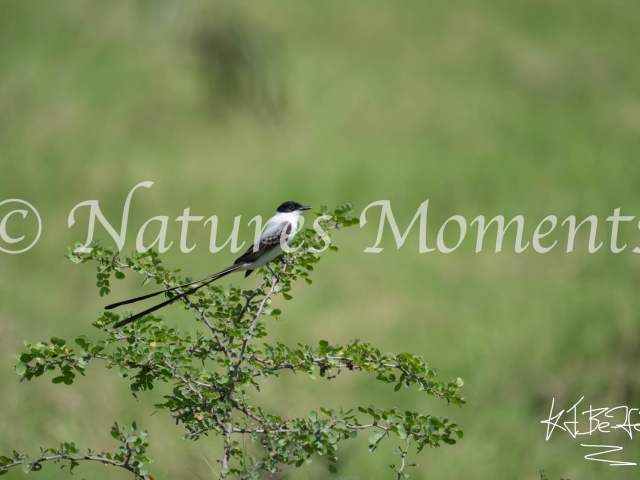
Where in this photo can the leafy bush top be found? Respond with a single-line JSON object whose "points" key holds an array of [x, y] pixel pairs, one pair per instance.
{"points": [[212, 373]]}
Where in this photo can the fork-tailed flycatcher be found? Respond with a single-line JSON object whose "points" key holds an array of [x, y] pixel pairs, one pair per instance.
{"points": [[281, 228]]}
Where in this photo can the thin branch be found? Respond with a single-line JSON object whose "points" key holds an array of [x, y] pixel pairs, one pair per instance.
{"points": [[245, 340], [103, 460], [321, 362], [404, 455]]}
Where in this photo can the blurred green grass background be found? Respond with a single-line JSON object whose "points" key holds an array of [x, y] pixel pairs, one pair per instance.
{"points": [[488, 108]]}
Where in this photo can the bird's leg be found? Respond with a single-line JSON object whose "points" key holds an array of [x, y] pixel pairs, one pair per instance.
{"points": [[271, 280], [269, 267]]}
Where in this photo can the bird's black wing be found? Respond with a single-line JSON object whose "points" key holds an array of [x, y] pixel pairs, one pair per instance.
{"points": [[270, 239]]}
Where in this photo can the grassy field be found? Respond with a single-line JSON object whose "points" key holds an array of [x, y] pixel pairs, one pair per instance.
{"points": [[490, 108]]}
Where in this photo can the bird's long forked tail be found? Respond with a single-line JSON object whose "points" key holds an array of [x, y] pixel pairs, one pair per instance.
{"points": [[133, 318]]}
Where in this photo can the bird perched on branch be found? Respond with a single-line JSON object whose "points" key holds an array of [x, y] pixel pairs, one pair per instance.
{"points": [[281, 229]]}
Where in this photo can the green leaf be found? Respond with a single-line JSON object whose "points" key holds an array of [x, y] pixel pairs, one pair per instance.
{"points": [[57, 380], [25, 357], [21, 368], [25, 464], [398, 387], [323, 344], [313, 416], [124, 372], [276, 312], [333, 469]]}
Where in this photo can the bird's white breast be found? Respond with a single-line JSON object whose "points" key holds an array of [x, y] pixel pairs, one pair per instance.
{"points": [[278, 222]]}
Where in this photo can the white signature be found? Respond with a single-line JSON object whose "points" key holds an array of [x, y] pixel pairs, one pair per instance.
{"points": [[601, 420]]}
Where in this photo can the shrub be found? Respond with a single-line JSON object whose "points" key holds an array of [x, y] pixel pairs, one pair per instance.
{"points": [[212, 373]]}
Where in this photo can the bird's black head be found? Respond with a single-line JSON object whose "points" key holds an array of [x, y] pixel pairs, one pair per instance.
{"points": [[288, 207]]}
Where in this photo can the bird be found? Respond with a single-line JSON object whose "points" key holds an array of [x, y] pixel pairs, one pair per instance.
{"points": [[282, 228]]}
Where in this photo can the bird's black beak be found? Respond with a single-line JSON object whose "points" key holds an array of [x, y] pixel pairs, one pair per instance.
{"points": [[305, 208]]}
